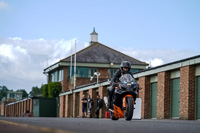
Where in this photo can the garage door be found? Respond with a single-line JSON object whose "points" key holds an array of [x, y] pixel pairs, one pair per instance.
{"points": [[198, 98], [153, 100], [36, 108], [175, 94]]}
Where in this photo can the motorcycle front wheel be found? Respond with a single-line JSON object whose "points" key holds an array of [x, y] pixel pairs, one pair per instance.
{"points": [[129, 108]]}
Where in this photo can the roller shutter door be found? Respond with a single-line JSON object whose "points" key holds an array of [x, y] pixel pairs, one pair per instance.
{"points": [[153, 100], [198, 97], [175, 94]]}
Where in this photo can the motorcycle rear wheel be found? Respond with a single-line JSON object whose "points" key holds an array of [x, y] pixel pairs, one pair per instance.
{"points": [[129, 109]]}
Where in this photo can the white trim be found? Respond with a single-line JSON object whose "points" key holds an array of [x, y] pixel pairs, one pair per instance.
{"points": [[197, 70], [153, 79], [168, 67], [175, 74], [86, 88], [18, 101]]}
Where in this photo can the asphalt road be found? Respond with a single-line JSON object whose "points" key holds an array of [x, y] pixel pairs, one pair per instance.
{"points": [[91, 125]]}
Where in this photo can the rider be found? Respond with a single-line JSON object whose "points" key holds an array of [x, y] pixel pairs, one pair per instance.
{"points": [[124, 69]]}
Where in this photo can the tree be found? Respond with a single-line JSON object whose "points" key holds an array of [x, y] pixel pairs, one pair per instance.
{"points": [[45, 90], [24, 93], [54, 89], [3, 91], [35, 91]]}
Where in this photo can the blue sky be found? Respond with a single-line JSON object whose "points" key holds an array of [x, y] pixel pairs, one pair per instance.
{"points": [[159, 31]]}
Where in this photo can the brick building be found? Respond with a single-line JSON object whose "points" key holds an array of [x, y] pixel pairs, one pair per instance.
{"points": [[170, 91], [94, 58]]}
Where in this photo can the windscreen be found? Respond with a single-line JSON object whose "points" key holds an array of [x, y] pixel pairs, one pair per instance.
{"points": [[126, 78]]}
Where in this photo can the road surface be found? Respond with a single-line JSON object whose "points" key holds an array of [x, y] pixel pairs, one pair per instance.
{"points": [[92, 125]]}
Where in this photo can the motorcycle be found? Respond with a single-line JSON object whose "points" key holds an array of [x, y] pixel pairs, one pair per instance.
{"points": [[122, 104]]}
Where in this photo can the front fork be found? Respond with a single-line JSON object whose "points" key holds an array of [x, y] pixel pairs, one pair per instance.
{"points": [[124, 101]]}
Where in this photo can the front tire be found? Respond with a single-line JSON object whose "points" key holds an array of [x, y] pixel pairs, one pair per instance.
{"points": [[129, 109]]}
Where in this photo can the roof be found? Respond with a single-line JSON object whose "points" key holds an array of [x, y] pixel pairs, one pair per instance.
{"points": [[99, 53], [171, 63], [195, 60]]}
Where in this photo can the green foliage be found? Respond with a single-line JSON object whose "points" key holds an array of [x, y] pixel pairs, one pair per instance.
{"points": [[45, 90], [24, 93], [35, 91], [53, 89], [3, 91]]}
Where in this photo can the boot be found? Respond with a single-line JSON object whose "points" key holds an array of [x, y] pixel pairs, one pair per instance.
{"points": [[109, 102]]}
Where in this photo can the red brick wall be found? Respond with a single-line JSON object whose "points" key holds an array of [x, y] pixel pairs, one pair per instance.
{"points": [[92, 93], [80, 105], [15, 113], [62, 108], [31, 107], [80, 102], [82, 81], [66, 106], [103, 92], [70, 105], [3, 108], [65, 81], [24, 106], [104, 73], [27, 105], [187, 93], [75, 104], [144, 83], [163, 95], [17, 110]]}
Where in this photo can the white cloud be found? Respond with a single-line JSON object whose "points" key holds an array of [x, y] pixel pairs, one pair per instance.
{"points": [[86, 44], [22, 61], [3, 5], [156, 62], [5, 50]]}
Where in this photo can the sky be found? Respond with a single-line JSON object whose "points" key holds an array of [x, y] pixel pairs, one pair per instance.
{"points": [[37, 33]]}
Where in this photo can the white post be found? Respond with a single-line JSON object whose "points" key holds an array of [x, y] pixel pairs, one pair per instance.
{"points": [[97, 79], [71, 62], [75, 67]]}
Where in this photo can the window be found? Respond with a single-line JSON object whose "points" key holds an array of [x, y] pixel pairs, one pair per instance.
{"points": [[82, 72], [12, 95], [52, 77], [60, 75], [92, 71], [72, 71], [134, 70], [112, 72], [57, 76]]}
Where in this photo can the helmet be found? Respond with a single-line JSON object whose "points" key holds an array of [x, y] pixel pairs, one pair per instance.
{"points": [[126, 64]]}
